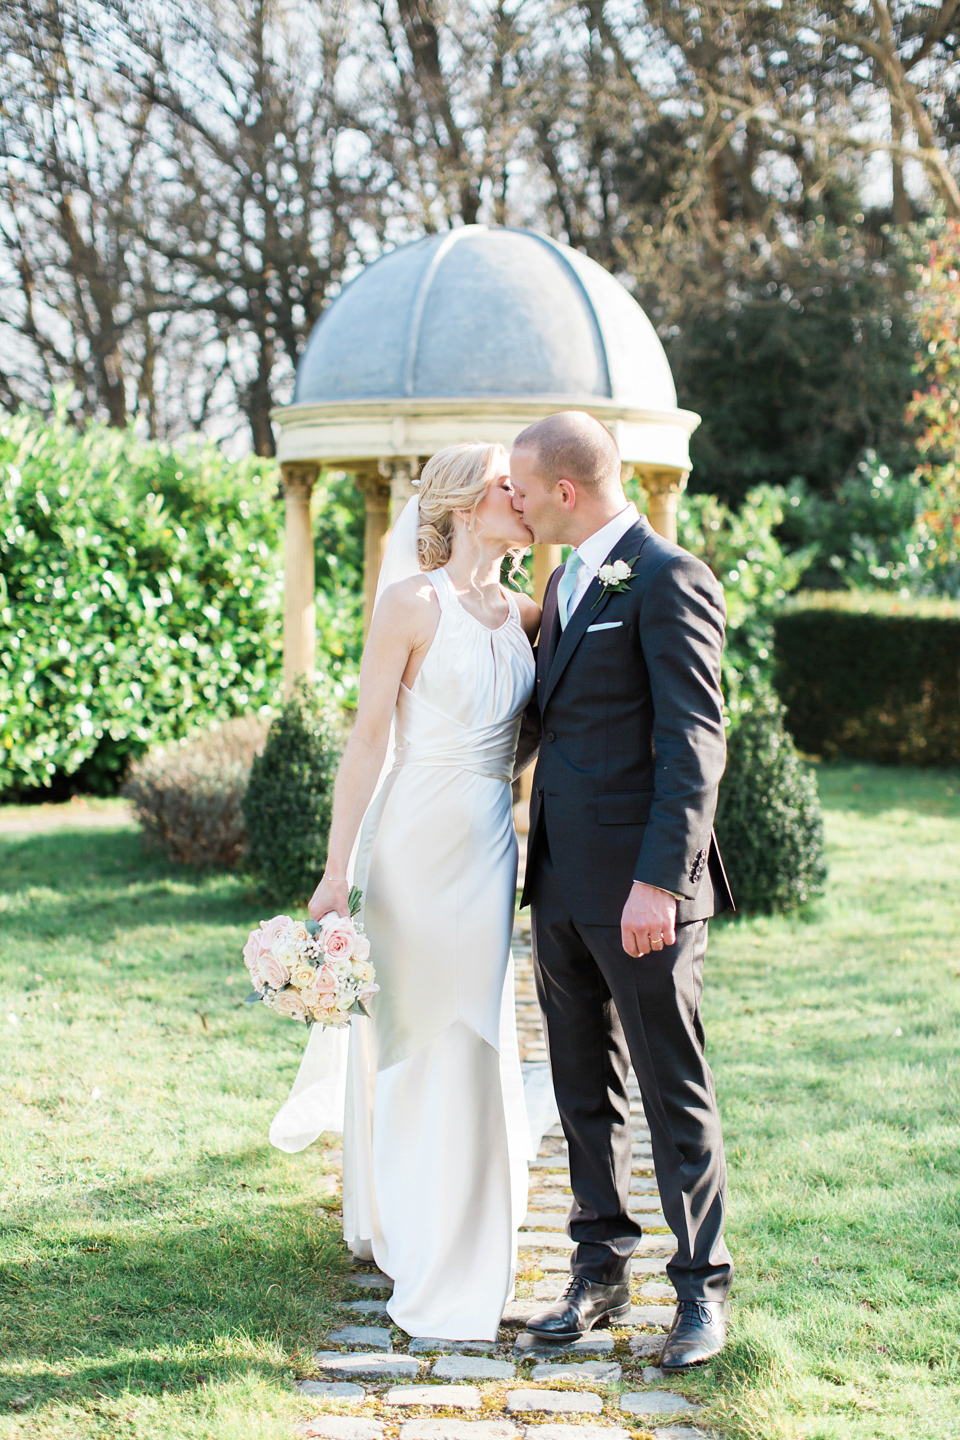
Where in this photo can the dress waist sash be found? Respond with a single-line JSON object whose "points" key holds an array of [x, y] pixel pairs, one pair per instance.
{"points": [[489, 753]]}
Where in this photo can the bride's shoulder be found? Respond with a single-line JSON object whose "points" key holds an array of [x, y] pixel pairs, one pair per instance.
{"points": [[411, 594], [409, 601]]}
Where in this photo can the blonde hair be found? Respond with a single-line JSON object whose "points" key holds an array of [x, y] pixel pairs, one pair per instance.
{"points": [[456, 478]]}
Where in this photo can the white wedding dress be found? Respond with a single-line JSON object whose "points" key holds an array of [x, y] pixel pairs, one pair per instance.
{"points": [[436, 1139]]}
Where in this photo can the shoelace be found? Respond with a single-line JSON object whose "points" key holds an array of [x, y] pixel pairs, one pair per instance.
{"points": [[574, 1285], [694, 1311]]}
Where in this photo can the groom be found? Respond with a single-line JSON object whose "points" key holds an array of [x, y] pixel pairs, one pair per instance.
{"points": [[623, 873]]}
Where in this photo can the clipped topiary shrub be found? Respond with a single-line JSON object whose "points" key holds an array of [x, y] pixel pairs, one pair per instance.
{"points": [[188, 797], [289, 798], [769, 823]]}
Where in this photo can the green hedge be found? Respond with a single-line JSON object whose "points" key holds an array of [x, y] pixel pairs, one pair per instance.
{"points": [[139, 596], [871, 677]]}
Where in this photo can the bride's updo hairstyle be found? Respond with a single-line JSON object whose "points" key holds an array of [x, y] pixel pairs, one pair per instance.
{"points": [[456, 478]]}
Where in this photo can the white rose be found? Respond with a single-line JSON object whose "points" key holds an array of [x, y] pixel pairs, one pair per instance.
{"points": [[621, 569], [286, 950], [362, 950], [607, 574]]}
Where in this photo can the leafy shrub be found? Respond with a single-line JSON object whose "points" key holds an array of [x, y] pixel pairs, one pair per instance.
{"points": [[769, 822], [289, 798], [872, 677], [865, 534], [139, 597], [188, 796], [742, 550]]}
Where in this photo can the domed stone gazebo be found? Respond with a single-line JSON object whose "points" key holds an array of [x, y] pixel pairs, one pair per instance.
{"points": [[468, 335]]}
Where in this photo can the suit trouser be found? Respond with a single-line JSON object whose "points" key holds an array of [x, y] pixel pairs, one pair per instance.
{"points": [[603, 1010]]}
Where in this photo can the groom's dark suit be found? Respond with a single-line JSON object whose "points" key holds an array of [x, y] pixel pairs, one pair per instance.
{"points": [[631, 753]]}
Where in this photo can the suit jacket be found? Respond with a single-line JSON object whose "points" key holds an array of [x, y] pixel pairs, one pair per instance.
{"points": [[631, 745]]}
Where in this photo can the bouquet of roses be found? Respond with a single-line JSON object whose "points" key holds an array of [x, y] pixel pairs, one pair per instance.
{"points": [[312, 971]]}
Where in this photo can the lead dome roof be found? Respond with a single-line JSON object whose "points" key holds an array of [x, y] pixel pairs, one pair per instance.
{"points": [[484, 312]]}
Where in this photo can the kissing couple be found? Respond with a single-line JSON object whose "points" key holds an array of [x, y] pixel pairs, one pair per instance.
{"points": [[620, 700]]}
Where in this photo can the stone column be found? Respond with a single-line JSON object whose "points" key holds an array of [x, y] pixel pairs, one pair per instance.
{"points": [[299, 608], [664, 488], [376, 495], [546, 558]]}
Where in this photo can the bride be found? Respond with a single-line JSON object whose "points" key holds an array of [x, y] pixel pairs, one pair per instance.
{"points": [[435, 1132]]}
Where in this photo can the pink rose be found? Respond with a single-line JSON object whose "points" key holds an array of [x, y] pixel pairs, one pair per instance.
{"points": [[251, 958], [272, 971], [338, 936], [325, 980], [271, 929], [289, 1004]]}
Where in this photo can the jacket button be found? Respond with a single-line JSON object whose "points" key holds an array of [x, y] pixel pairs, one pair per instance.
{"points": [[550, 736]]}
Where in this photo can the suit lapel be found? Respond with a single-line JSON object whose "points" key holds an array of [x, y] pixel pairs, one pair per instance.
{"points": [[586, 613]]}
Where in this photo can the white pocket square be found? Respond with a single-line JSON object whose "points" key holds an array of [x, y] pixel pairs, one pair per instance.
{"points": [[605, 625]]}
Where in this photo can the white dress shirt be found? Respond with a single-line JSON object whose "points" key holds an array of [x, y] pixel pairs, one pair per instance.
{"points": [[594, 551]]}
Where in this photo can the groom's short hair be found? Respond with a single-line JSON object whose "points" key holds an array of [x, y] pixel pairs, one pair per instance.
{"points": [[573, 445]]}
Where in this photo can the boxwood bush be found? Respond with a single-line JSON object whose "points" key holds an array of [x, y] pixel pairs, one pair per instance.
{"points": [[139, 597], [289, 801], [872, 677], [769, 822]]}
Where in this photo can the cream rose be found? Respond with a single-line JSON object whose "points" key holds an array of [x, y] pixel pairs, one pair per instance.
{"points": [[289, 1004], [302, 973], [364, 972]]}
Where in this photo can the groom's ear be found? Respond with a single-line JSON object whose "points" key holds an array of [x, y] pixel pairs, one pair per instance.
{"points": [[567, 493]]}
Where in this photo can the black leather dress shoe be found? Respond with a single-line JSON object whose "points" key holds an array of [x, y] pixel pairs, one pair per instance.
{"points": [[698, 1333], [582, 1305]]}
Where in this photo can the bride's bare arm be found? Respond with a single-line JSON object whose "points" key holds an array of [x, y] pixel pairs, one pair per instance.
{"points": [[401, 632], [529, 616]]}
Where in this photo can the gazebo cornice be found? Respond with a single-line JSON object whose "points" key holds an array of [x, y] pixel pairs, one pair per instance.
{"points": [[347, 433]]}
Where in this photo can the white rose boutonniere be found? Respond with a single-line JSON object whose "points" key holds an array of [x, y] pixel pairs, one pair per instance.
{"points": [[615, 578]]}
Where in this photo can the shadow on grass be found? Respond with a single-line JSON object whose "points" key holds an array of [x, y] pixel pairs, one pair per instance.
{"points": [[105, 879], [198, 1294]]}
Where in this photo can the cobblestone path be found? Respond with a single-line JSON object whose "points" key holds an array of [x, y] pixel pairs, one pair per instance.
{"points": [[372, 1382]]}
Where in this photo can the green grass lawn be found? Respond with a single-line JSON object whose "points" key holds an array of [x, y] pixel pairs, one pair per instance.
{"points": [[164, 1270], [836, 1044], [165, 1273]]}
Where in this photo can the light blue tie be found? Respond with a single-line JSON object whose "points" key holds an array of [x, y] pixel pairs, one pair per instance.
{"points": [[568, 583]]}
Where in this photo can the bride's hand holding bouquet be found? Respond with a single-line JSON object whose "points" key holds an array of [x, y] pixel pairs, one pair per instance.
{"points": [[332, 894], [317, 971]]}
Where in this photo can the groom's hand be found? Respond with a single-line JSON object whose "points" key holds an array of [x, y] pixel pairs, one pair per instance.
{"points": [[649, 920]]}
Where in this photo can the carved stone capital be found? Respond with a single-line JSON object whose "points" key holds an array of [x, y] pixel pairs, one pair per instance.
{"points": [[664, 488], [663, 482], [400, 473], [375, 489], [298, 477]]}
